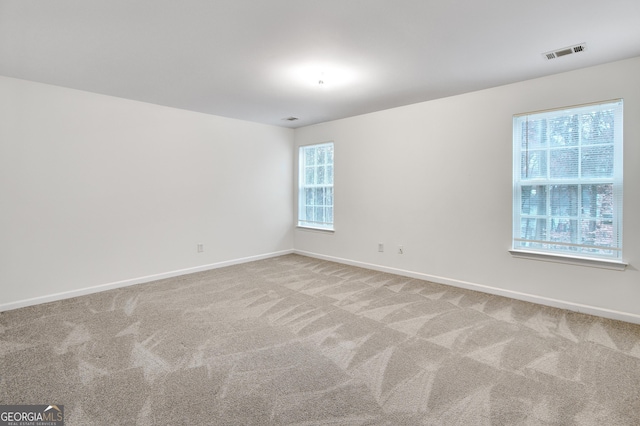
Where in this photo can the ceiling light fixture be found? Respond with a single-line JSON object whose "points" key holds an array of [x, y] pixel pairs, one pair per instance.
{"points": [[324, 75]]}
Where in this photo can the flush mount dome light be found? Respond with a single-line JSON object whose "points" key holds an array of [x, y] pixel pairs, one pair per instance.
{"points": [[322, 75]]}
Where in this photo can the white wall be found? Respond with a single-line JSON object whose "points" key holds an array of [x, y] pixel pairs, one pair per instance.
{"points": [[435, 177], [102, 191], [97, 192]]}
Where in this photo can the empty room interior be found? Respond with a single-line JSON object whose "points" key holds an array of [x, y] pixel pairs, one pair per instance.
{"points": [[310, 213]]}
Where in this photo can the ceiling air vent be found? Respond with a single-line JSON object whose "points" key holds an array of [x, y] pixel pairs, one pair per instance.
{"points": [[290, 118], [566, 51]]}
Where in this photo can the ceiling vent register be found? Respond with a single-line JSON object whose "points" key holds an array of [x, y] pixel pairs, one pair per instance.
{"points": [[566, 51]]}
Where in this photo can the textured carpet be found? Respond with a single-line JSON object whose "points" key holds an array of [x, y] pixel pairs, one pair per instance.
{"points": [[295, 340]]}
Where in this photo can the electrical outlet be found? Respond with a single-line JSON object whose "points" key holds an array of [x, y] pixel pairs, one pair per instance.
{"points": [[200, 248], [400, 250], [380, 247]]}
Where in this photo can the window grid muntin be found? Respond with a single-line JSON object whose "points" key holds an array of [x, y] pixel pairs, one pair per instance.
{"points": [[543, 132], [316, 164]]}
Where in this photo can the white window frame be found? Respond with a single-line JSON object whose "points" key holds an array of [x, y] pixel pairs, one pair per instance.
{"points": [[312, 191], [548, 248]]}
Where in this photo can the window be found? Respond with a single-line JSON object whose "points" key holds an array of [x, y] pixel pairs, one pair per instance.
{"points": [[315, 196], [567, 182]]}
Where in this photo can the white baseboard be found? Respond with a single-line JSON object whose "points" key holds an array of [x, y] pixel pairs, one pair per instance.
{"points": [[541, 300], [571, 306], [139, 280]]}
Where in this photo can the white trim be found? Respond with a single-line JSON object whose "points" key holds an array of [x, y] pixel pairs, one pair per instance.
{"points": [[309, 224], [543, 177], [312, 228], [570, 260], [540, 300], [562, 243], [140, 280], [569, 108]]}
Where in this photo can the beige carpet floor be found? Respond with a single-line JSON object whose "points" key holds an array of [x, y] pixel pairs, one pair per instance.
{"points": [[295, 340]]}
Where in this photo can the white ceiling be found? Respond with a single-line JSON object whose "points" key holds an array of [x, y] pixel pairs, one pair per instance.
{"points": [[242, 58]]}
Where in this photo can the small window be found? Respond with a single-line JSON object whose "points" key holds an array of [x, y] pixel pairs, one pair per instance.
{"points": [[567, 181], [315, 195]]}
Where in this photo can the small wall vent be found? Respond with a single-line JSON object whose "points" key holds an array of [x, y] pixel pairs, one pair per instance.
{"points": [[564, 52]]}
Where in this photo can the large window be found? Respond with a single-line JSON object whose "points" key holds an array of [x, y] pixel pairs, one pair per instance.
{"points": [[315, 196], [567, 181]]}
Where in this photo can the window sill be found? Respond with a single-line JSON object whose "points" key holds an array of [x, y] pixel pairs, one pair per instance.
{"points": [[312, 229], [571, 260]]}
